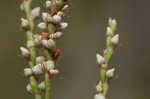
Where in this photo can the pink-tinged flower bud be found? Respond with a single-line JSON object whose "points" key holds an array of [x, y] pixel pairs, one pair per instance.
{"points": [[35, 12], [49, 65], [115, 39], [42, 25], [42, 85], [58, 34], [110, 73], [29, 88], [63, 25], [25, 52], [99, 96], [57, 19], [24, 23], [54, 71], [100, 59], [48, 4], [65, 7], [40, 59], [38, 69], [27, 72]]}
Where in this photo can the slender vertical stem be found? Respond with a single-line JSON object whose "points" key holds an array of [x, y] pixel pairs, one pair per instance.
{"points": [[29, 33]]}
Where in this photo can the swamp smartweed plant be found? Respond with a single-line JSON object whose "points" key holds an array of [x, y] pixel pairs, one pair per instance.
{"points": [[40, 50], [106, 74]]}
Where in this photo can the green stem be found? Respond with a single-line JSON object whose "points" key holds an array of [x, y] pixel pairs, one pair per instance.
{"points": [[33, 81], [47, 85]]}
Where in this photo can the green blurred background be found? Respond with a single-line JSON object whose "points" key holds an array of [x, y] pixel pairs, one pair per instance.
{"points": [[84, 37]]}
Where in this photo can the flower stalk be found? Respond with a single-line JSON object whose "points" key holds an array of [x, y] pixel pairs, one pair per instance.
{"points": [[112, 41]]}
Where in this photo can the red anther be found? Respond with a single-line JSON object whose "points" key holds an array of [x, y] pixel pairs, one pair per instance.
{"points": [[57, 52], [45, 35]]}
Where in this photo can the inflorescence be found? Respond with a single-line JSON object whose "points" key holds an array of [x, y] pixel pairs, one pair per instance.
{"points": [[112, 41], [40, 50]]}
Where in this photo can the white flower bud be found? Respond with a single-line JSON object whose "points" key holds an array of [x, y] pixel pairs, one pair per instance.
{"points": [[30, 43], [54, 71], [100, 59], [46, 17], [60, 13], [112, 23], [110, 73], [99, 96], [63, 25], [99, 87], [27, 72], [42, 85], [51, 43], [48, 4], [58, 34], [49, 65], [35, 12], [65, 7], [29, 88], [24, 22], [56, 19], [48, 43], [37, 39], [115, 39], [40, 59], [109, 31], [38, 69], [42, 25], [25, 52]]}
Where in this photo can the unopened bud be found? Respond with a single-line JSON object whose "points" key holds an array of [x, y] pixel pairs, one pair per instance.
{"points": [[48, 4], [54, 71], [29, 88], [65, 7], [115, 39], [37, 39], [42, 85], [24, 22], [49, 65], [109, 31], [57, 35], [56, 19], [42, 25], [99, 96], [38, 69], [27, 72], [35, 12], [100, 59], [63, 25], [99, 87], [60, 13], [40, 59], [25, 52], [46, 17], [48, 43], [110, 73]]}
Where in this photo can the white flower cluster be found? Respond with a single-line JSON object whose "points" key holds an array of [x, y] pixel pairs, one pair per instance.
{"points": [[39, 44]]}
